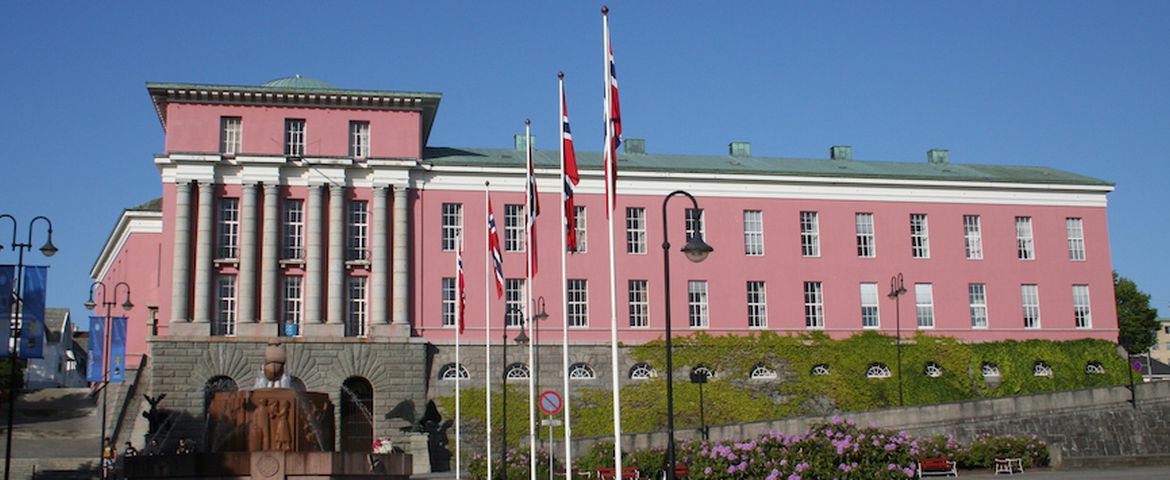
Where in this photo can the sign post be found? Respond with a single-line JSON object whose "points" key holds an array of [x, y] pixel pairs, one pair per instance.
{"points": [[550, 403]]}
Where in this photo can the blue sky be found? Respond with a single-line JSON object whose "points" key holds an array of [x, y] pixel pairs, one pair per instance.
{"points": [[1079, 86]]}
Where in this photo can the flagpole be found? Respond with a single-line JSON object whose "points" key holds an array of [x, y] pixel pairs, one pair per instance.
{"points": [[610, 198], [564, 290], [527, 307], [458, 330], [487, 323]]}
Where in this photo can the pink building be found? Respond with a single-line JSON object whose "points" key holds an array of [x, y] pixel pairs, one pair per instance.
{"points": [[300, 210]]}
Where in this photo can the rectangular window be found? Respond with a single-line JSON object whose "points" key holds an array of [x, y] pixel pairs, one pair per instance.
{"points": [[1081, 312], [1076, 238], [757, 305], [695, 223], [229, 228], [579, 222], [973, 235], [919, 236], [636, 230], [294, 230], [814, 305], [231, 132], [753, 233], [448, 310], [924, 304], [359, 139], [513, 228], [577, 307], [810, 235], [294, 137], [1030, 299], [452, 234], [355, 325], [865, 244], [359, 227], [225, 311], [697, 303], [977, 294], [869, 306], [1024, 246], [514, 302], [639, 303], [291, 304]]}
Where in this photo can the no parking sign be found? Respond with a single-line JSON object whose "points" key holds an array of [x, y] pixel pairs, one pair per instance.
{"points": [[550, 402]]}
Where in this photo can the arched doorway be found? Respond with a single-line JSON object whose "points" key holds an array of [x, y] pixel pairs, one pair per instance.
{"points": [[357, 417], [213, 438]]}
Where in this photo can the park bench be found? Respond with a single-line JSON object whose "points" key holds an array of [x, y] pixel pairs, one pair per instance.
{"points": [[936, 466], [680, 471], [1008, 465], [604, 473]]}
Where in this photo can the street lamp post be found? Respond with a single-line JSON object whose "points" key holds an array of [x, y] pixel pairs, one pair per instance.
{"points": [[699, 377], [897, 289], [109, 304], [696, 251], [48, 249], [521, 339]]}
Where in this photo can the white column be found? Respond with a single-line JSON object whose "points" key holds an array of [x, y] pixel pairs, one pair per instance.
{"points": [[401, 283], [379, 264], [247, 291], [180, 272], [270, 269], [315, 257], [336, 266], [204, 236]]}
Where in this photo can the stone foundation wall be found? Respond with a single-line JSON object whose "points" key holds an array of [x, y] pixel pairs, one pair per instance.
{"points": [[472, 358]]}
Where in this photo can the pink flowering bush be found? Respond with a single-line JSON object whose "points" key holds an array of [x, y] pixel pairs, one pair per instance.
{"points": [[516, 461], [986, 448]]}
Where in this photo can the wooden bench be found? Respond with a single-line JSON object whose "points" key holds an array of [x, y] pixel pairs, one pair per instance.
{"points": [[630, 473], [680, 471], [936, 466]]}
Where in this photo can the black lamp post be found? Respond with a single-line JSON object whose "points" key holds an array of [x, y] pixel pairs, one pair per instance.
{"points": [[48, 249], [521, 339], [109, 304], [699, 376], [696, 251], [897, 289]]}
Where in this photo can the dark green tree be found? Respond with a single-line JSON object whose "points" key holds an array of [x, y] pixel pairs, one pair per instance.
{"points": [[1137, 322]]}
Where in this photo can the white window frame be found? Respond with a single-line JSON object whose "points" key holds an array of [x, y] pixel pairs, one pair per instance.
{"points": [[447, 308], [636, 230], [866, 246], [639, 300], [973, 236], [932, 370], [231, 135], [359, 139], [577, 302], [695, 219], [1082, 308], [450, 370], [757, 304], [518, 371], [871, 316], [293, 247], [924, 304], [753, 233], [294, 137], [358, 230], [514, 238], [515, 301], [878, 370], [292, 305], [228, 238], [356, 313], [451, 236], [814, 305], [579, 217], [697, 304], [762, 372], [919, 236], [581, 371], [642, 371], [1075, 227], [810, 234], [1030, 305], [226, 305], [1025, 242], [977, 298]]}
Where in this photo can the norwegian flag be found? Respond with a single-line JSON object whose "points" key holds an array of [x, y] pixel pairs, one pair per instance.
{"points": [[533, 203], [570, 175], [494, 250], [613, 123], [461, 294]]}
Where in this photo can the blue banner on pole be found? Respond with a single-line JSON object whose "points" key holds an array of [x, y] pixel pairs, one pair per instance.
{"points": [[7, 280], [32, 325], [118, 350], [97, 342]]}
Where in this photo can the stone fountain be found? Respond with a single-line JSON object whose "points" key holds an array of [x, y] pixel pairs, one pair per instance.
{"points": [[271, 432]]}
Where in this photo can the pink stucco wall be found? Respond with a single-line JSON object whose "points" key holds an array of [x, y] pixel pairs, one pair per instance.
{"points": [[782, 267], [136, 263], [195, 128]]}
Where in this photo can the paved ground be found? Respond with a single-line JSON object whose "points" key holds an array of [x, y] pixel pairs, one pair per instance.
{"points": [[55, 429], [1123, 473]]}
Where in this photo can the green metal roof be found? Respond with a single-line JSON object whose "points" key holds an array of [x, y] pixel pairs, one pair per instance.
{"points": [[799, 167], [299, 82]]}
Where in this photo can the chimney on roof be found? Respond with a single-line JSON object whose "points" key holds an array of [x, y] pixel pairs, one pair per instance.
{"points": [[938, 156], [739, 149], [635, 145], [521, 144], [841, 152]]}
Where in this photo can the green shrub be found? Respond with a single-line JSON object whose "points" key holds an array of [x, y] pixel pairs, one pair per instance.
{"points": [[986, 448]]}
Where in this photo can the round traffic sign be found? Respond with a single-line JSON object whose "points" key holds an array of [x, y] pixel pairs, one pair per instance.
{"points": [[1137, 365], [550, 402]]}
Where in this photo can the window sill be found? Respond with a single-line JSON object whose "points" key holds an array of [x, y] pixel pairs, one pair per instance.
{"points": [[292, 262], [221, 262], [227, 156], [874, 327], [352, 264]]}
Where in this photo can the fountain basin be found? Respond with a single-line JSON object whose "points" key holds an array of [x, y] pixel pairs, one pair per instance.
{"points": [[271, 465]]}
